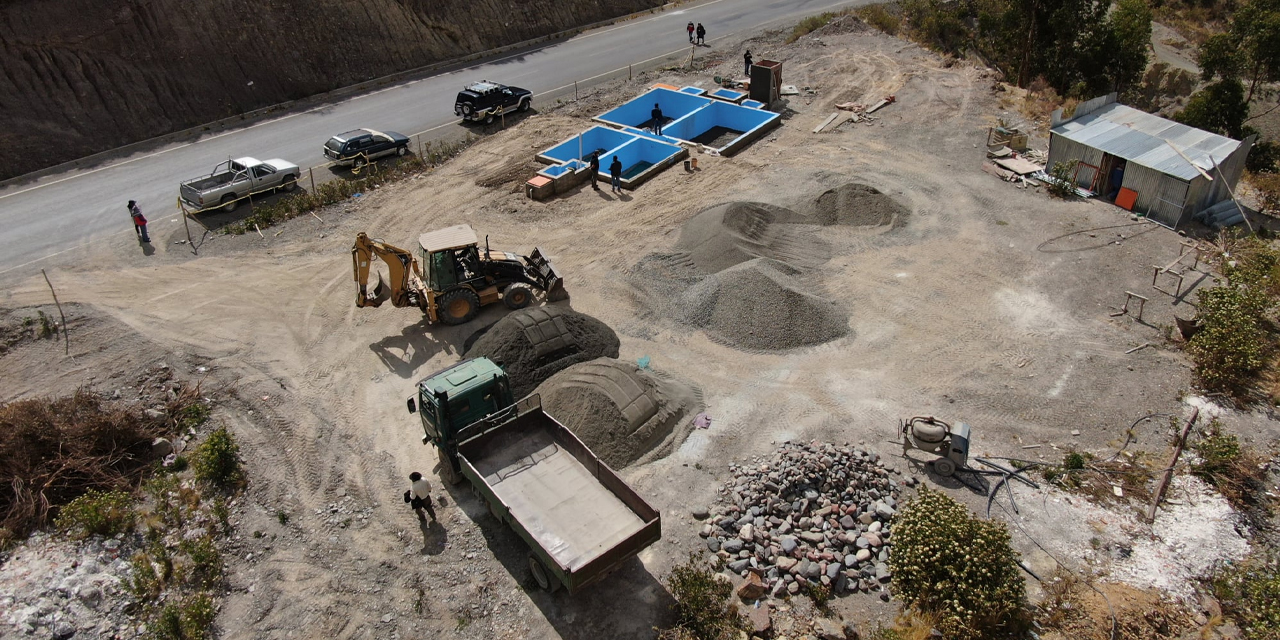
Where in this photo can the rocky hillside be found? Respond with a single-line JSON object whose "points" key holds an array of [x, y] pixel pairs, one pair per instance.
{"points": [[80, 76]]}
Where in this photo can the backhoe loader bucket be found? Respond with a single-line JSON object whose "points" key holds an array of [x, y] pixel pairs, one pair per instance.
{"points": [[381, 292], [544, 273]]}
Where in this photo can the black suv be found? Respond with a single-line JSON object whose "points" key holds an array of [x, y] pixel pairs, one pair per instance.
{"points": [[357, 148], [486, 100]]}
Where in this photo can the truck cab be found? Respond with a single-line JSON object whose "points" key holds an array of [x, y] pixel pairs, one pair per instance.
{"points": [[455, 398], [484, 100]]}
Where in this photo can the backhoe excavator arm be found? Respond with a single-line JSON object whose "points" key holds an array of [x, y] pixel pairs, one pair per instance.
{"points": [[405, 288]]}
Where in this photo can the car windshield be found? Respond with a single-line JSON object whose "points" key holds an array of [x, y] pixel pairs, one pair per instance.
{"points": [[333, 144]]}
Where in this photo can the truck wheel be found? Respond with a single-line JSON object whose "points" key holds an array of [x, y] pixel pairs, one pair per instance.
{"points": [[517, 296], [541, 576], [400, 151], [447, 473], [524, 105], [289, 183], [358, 165], [229, 202], [467, 109], [488, 119], [459, 306]]}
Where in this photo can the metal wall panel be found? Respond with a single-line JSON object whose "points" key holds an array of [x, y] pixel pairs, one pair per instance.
{"points": [[1063, 150]]}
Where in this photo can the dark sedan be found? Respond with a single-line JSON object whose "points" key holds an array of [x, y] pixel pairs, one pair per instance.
{"points": [[357, 148]]}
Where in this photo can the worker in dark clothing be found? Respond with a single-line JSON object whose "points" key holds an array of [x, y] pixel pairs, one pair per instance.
{"points": [[746, 64], [657, 119], [139, 222], [690, 29], [702, 33], [595, 169], [615, 171]]}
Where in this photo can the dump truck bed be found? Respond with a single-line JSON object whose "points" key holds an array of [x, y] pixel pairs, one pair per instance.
{"points": [[559, 496]]}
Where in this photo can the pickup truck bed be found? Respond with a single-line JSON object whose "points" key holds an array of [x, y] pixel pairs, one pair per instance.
{"points": [[560, 497]]}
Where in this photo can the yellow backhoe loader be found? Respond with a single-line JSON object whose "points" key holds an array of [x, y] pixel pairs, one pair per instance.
{"points": [[456, 277]]}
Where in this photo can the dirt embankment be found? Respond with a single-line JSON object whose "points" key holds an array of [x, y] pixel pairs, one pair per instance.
{"points": [[81, 77]]}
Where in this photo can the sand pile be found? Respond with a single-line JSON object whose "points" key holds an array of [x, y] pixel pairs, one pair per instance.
{"points": [[732, 233], [859, 205], [534, 344], [625, 414], [761, 304]]}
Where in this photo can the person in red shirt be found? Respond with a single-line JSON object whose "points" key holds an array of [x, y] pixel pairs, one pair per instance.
{"points": [[139, 222]]}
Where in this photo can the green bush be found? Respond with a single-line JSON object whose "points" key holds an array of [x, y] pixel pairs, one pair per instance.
{"points": [[1250, 595], [205, 568], [811, 24], [192, 415], [1231, 347], [217, 460], [879, 17], [188, 619], [1063, 184], [103, 513], [1217, 454], [145, 583], [948, 563], [702, 608]]}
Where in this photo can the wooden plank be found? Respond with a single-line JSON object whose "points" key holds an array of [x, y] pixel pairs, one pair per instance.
{"points": [[831, 118], [1193, 165], [1173, 461], [1018, 165]]}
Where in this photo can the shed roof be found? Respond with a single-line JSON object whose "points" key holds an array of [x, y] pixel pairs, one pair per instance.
{"points": [[448, 238], [1138, 136]]}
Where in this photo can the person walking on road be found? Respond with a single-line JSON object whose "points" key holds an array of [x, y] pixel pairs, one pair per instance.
{"points": [[702, 33], [139, 222], [690, 30], [595, 169], [419, 495], [657, 119], [615, 171], [746, 66]]}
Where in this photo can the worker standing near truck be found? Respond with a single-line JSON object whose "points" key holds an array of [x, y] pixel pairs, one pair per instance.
{"points": [[419, 495]]}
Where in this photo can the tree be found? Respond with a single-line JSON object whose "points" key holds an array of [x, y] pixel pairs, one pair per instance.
{"points": [[1249, 50], [1219, 107], [1114, 54]]}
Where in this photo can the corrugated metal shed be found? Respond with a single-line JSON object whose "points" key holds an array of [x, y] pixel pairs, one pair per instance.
{"points": [[1143, 138]]}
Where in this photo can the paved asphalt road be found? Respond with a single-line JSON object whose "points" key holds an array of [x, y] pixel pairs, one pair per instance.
{"points": [[63, 212]]}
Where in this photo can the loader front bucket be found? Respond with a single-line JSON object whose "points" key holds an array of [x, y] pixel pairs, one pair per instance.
{"points": [[544, 273]]}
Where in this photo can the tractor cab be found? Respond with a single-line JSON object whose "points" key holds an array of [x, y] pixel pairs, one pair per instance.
{"points": [[450, 258]]}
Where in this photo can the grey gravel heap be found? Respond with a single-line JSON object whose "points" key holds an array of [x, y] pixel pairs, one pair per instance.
{"points": [[811, 513]]}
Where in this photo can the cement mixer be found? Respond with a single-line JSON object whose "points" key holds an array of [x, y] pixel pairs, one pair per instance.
{"points": [[932, 435]]}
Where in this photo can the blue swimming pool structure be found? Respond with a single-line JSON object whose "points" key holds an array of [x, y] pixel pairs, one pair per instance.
{"points": [[692, 118]]}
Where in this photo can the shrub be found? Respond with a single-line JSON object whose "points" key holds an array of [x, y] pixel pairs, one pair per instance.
{"points": [[53, 450], [192, 415], [205, 568], [1230, 348], [1063, 183], [103, 513], [188, 619], [879, 17], [811, 24], [1250, 594], [702, 608], [948, 563], [145, 583], [217, 460]]}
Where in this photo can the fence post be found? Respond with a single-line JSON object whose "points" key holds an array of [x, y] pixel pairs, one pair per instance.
{"points": [[419, 145], [575, 90], [311, 172], [628, 73]]}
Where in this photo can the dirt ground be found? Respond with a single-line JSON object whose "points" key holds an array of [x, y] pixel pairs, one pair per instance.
{"points": [[991, 305]]}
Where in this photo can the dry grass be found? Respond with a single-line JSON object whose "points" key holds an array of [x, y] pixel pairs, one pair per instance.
{"points": [[53, 450], [1073, 609], [1193, 20]]}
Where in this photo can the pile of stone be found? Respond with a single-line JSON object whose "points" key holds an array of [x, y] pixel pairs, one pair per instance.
{"points": [[810, 514]]}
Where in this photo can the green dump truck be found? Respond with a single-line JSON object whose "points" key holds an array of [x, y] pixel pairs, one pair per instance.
{"points": [[578, 517]]}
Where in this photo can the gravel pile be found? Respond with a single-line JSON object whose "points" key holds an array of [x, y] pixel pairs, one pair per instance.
{"points": [[534, 344], [59, 589], [728, 234], [760, 304], [810, 514], [625, 414], [855, 204]]}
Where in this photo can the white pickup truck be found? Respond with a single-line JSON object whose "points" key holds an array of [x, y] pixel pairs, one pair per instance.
{"points": [[233, 180]]}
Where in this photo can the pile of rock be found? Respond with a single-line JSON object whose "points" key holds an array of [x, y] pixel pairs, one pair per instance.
{"points": [[55, 588], [811, 514]]}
